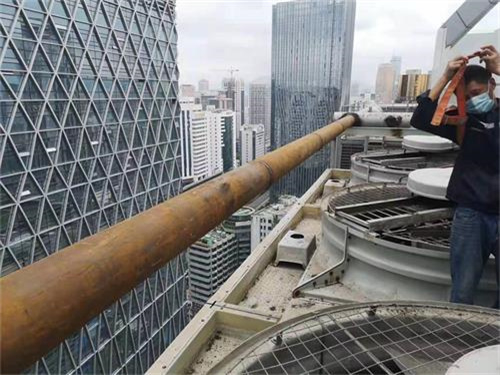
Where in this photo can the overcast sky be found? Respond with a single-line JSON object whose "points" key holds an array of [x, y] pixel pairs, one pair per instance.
{"points": [[215, 35]]}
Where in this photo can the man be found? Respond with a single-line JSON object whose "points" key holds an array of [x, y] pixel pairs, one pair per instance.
{"points": [[474, 182]]}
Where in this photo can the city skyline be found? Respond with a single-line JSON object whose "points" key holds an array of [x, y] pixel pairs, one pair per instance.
{"points": [[383, 29], [123, 208]]}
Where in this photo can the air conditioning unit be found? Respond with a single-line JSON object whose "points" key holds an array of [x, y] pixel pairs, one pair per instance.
{"points": [[389, 244]]}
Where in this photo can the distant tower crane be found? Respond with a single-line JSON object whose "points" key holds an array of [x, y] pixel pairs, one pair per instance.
{"points": [[231, 70]]}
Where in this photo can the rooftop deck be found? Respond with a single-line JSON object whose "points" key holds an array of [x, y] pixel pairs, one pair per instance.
{"points": [[261, 294]]}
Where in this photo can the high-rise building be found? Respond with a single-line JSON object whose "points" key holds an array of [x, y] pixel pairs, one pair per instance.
{"points": [[264, 220], [228, 140], [252, 142], [221, 140], [396, 63], [89, 136], [384, 85], [188, 91], [311, 72], [218, 100], [203, 86], [412, 84], [240, 224], [214, 132], [212, 259], [221, 101], [260, 106], [194, 141], [215, 257], [235, 90]]}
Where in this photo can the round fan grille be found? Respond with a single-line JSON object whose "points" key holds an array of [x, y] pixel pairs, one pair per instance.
{"points": [[382, 338]]}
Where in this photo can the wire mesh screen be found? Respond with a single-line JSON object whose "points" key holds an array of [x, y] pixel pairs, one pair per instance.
{"points": [[349, 148], [434, 235], [382, 339]]}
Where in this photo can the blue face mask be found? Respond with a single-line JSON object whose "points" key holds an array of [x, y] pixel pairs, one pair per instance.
{"points": [[480, 103]]}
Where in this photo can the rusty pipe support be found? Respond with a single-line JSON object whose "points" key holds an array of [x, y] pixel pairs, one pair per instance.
{"points": [[46, 302]]}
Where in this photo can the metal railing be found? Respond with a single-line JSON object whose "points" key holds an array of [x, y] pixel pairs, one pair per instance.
{"points": [[46, 302]]}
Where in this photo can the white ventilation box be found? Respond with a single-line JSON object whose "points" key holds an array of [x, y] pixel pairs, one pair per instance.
{"points": [[296, 248], [333, 185]]}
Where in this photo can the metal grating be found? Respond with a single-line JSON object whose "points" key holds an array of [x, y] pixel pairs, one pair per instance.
{"points": [[350, 145], [404, 338], [408, 160], [349, 148], [367, 193], [434, 235], [395, 213]]}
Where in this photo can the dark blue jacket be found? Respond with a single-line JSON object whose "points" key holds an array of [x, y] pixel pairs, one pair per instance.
{"points": [[474, 181]]}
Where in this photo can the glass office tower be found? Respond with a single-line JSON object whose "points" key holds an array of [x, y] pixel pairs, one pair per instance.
{"points": [[312, 45], [89, 136]]}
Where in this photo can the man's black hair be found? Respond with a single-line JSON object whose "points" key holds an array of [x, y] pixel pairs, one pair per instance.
{"points": [[477, 74]]}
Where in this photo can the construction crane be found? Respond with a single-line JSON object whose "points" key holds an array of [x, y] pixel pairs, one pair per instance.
{"points": [[231, 70]]}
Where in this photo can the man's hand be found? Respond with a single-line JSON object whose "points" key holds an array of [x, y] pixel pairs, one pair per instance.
{"points": [[491, 58], [454, 65]]}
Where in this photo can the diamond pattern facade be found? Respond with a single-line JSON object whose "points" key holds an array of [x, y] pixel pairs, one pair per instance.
{"points": [[89, 137]]}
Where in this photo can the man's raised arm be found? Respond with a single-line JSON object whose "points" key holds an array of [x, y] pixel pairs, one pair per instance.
{"points": [[427, 103], [491, 58]]}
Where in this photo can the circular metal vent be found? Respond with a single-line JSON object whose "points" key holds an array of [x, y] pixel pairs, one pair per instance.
{"points": [[380, 338]]}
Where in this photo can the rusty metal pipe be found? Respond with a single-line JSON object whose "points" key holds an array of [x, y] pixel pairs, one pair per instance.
{"points": [[46, 302]]}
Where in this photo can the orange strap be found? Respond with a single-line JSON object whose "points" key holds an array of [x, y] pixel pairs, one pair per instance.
{"points": [[456, 86], [462, 114]]}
